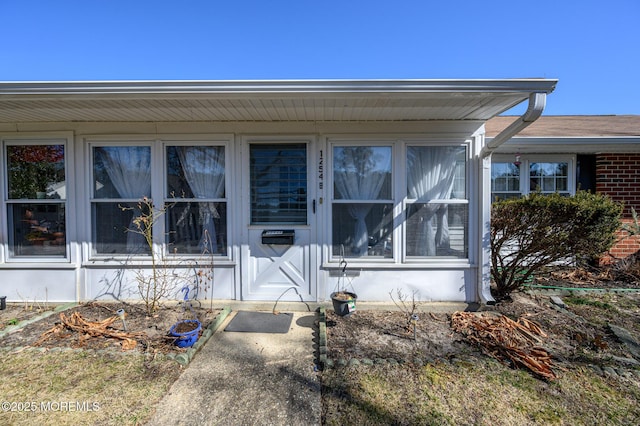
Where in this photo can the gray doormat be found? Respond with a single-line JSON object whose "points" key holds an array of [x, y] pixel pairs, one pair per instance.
{"points": [[260, 322]]}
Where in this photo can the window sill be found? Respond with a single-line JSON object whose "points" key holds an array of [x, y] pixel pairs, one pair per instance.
{"points": [[38, 264], [110, 262], [413, 265]]}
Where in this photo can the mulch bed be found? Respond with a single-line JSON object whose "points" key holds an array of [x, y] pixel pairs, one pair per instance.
{"points": [[558, 339], [96, 325]]}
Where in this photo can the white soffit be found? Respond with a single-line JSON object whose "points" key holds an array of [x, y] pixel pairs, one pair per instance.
{"points": [[278, 100]]}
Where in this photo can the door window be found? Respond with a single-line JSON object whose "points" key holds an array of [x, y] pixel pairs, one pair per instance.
{"points": [[278, 174]]}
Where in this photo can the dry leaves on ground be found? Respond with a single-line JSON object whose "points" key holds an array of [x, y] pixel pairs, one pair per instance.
{"points": [[75, 322], [505, 339]]}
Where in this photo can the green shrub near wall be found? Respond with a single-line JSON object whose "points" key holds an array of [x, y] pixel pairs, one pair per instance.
{"points": [[535, 231]]}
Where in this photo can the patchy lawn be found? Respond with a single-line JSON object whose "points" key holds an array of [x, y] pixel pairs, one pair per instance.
{"points": [[438, 378], [474, 392], [382, 373], [53, 375], [81, 387]]}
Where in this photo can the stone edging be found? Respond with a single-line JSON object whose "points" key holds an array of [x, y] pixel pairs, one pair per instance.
{"points": [[617, 372], [322, 337], [578, 291], [182, 358]]}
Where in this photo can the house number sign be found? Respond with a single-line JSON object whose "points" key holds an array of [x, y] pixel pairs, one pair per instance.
{"points": [[321, 171]]}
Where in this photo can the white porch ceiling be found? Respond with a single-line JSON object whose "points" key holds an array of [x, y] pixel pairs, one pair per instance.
{"points": [[282, 100]]}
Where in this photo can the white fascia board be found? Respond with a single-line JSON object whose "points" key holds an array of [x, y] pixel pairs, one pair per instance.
{"points": [[574, 144], [160, 88]]}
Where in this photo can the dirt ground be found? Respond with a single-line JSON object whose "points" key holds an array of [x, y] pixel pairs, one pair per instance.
{"points": [[580, 334], [14, 313], [577, 335], [149, 332]]}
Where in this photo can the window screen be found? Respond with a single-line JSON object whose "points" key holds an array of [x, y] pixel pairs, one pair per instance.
{"points": [[278, 183]]}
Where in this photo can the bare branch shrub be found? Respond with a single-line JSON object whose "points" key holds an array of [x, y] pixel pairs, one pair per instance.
{"points": [[161, 281], [408, 308]]}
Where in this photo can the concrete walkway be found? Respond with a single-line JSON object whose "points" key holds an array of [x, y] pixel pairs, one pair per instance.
{"points": [[248, 379]]}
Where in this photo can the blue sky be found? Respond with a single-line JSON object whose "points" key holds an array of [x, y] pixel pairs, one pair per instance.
{"points": [[592, 47]]}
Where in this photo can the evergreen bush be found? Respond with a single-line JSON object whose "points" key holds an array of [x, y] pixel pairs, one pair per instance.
{"points": [[538, 230]]}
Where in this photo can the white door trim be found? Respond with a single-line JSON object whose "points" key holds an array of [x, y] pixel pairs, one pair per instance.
{"points": [[250, 232]]}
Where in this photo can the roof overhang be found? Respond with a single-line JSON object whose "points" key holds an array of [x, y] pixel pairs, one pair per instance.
{"points": [[275, 100], [581, 134], [571, 145]]}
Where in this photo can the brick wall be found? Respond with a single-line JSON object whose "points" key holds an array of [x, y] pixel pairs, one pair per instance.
{"points": [[618, 175], [626, 246]]}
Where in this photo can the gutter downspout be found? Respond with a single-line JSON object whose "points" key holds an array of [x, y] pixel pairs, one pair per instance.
{"points": [[537, 102]]}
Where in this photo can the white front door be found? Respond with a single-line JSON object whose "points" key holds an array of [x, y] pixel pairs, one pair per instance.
{"points": [[278, 249]]}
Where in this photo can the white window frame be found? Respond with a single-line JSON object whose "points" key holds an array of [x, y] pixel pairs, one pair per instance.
{"points": [[224, 143], [118, 142], [362, 142], [464, 201], [525, 163], [64, 139], [399, 198], [158, 146]]}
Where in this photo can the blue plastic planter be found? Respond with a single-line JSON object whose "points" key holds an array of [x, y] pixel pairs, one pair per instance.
{"points": [[187, 339]]}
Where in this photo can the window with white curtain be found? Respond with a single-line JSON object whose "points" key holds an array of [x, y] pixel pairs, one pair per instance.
{"points": [[195, 195], [36, 194], [362, 208], [437, 207], [121, 177], [435, 222]]}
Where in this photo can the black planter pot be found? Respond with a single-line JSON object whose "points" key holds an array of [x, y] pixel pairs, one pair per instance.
{"points": [[344, 306]]}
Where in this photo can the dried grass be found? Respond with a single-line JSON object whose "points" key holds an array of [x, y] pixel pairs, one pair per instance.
{"points": [[111, 388]]}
